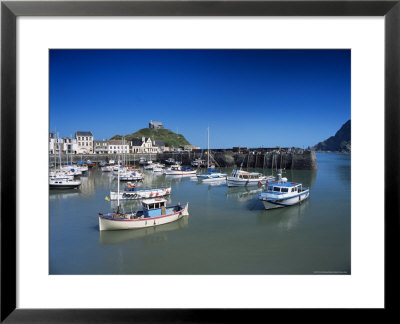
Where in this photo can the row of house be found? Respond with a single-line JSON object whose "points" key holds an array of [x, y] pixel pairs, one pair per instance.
{"points": [[84, 143]]}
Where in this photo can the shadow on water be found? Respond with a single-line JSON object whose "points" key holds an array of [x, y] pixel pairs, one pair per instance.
{"points": [[285, 218], [117, 237]]}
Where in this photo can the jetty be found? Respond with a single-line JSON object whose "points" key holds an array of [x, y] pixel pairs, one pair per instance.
{"points": [[296, 159]]}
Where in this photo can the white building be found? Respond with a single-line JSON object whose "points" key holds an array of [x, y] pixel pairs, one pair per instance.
{"points": [[143, 145], [118, 146], [59, 145], [70, 145], [85, 142], [100, 147]]}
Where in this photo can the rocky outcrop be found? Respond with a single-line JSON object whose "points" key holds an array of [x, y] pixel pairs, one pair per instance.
{"points": [[341, 142]]}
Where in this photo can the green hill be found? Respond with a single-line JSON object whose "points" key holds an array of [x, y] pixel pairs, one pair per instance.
{"points": [[341, 142], [170, 138]]}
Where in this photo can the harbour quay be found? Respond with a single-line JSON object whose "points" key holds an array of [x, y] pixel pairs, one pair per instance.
{"points": [[295, 159]]}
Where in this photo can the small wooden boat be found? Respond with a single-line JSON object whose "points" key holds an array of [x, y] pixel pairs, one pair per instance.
{"points": [[154, 212], [281, 193]]}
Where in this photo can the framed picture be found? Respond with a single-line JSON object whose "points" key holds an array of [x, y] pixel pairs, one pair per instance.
{"points": [[197, 67]]}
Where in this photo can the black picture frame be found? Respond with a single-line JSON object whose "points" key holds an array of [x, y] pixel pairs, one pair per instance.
{"points": [[10, 10]]}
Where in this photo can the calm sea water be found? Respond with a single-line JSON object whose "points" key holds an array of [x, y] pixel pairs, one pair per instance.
{"points": [[227, 231]]}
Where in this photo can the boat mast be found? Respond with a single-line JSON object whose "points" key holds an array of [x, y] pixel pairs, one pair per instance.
{"points": [[208, 147], [118, 186]]}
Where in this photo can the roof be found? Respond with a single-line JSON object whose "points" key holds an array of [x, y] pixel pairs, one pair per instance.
{"points": [[137, 141], [283, 184], [118, 142], [153, 200], [81, 133]]}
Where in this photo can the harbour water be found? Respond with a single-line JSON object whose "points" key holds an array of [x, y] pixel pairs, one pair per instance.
{"points": [[227, 230]]}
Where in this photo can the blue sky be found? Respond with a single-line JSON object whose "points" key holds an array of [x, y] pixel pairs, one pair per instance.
{"points": [[250, 98]]}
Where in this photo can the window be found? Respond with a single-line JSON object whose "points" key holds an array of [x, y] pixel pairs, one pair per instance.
{"points": [[285, 189], [269, 188], [277, 189]]}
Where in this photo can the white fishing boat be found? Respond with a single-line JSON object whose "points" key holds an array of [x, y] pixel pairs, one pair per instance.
{"points": [[282, 193], [130, 176], [244, 178], [212, 174], [132, 192], [61, 174], [179, 170], [63, 183], [154, 212]]}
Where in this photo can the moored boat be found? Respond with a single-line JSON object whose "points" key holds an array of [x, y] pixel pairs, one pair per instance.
{"points": [[63, 183], [132, 192], [212, 174], [179, 170], [90, 164], [198, 163], [282, 193], [154, 212], [244, 178]]}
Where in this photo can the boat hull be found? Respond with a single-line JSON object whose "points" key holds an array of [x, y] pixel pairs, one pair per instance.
{"points": [[106, 224], [64, 186], [271, 204], [169, 172], [235, 182]]}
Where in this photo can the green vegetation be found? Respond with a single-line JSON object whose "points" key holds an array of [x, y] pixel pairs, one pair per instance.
{"points": [[341, 142], [170, 138]]}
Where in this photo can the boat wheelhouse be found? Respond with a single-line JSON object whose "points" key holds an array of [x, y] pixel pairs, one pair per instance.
{"points": [[245, 178], [282, 193], [154, 212]]}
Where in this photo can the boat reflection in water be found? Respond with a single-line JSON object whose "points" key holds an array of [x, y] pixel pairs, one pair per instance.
{"points": [[284, 219], [243, 193], [117, 237], [63, 194]]}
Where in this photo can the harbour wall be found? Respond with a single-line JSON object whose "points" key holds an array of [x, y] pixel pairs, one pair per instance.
{"points": [[304, 160]]}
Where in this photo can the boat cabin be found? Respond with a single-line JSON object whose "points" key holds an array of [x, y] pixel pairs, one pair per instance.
{"points": [[286, 187], [157, 207], [246, 175]]}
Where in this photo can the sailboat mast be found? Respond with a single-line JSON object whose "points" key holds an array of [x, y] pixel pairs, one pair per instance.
{"points": [[208, 147], [118, 184]]}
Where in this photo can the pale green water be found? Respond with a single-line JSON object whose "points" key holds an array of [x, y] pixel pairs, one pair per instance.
{"points": [[227, 231]]}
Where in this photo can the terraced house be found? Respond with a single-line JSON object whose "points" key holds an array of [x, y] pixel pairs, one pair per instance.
{"points": [[85, 142]]}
